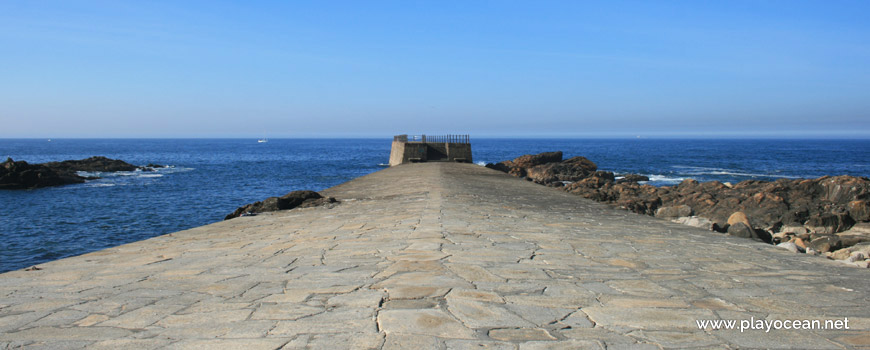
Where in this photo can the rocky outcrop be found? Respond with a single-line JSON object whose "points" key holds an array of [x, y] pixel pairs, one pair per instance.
{"points": [[22, 175], [548, 168], [295, 199], [811, 213], [93, 164]]}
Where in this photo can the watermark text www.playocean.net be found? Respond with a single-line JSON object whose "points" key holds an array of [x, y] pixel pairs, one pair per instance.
{"points": [[768, 325]]}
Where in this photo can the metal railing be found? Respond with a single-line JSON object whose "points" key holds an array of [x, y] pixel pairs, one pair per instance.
{"points": [[449, 138]]}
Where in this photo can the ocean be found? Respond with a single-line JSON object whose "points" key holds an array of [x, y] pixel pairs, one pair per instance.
{"points": [[209, 178]]}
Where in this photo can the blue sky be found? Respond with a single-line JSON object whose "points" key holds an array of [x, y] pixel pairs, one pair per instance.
{"points": [[486, 68]]}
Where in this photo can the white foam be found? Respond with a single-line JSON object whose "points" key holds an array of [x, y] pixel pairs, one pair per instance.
{"points": [[663, 178], [733, 173], [151, 175], [100, 185], [697, 170], [169, 169], [481, 163]]}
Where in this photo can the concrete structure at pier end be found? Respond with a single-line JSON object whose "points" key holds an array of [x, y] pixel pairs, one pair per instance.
{"points": [[423, 148]]}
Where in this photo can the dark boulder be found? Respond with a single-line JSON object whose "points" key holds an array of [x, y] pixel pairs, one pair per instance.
{"points": [[741, 230], [501, 166], [763, 235], [291, 200]]}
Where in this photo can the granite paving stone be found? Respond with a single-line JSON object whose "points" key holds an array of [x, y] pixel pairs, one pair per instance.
{"points": [[434, 256]]}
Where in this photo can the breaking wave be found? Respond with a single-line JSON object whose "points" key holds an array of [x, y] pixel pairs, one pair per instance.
{"points": [[701, 171]]}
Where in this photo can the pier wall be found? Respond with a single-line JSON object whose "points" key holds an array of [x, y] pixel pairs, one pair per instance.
{"points": [[449, 148]]}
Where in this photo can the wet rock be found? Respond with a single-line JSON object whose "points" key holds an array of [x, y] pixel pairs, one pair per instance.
{"points": [[291, 200]]}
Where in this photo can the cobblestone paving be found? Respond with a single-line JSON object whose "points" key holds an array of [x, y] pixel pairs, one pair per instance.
{"points": [[434, 256]]}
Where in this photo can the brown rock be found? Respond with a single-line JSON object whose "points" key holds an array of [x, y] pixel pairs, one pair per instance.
{"points": [[843, 189], [530, 160], [739, 217], [841, 254], [674, 211], [800, 243], [859, 210], [823, 205], [830, 222], [826, 244]]}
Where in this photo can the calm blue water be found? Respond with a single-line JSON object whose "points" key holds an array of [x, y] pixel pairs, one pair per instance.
{"points": [[211, 178]]}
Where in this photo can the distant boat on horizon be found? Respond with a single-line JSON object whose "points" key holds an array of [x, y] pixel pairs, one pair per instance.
{"points": [[263, 140]]}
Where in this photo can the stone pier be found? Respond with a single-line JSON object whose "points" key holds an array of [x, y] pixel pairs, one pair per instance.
{"points": [[435, 256], [432, 148]]}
